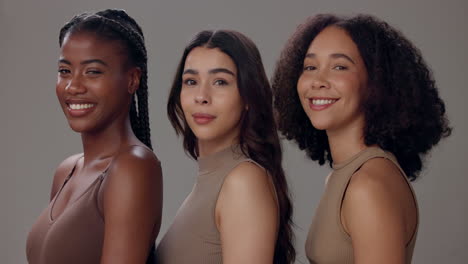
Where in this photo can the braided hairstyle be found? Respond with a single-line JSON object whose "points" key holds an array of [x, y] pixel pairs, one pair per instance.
{"points": [[115, 24]]}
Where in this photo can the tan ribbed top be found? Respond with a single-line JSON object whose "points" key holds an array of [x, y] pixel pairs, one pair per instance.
{"points": [[75, 236], [327, 241], [193, 236]]}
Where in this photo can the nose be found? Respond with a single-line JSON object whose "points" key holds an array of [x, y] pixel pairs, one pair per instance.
{"points": [[320, 81], [75, 86], [202, 95]]}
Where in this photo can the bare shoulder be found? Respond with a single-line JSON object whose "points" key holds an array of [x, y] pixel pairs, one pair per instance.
{"points": [[62, 171], [250, 185], [130, 201], [378, 198], [134, 178], [135, 163], [378, 176], [247, 215], [379, 213], [247, 175]]}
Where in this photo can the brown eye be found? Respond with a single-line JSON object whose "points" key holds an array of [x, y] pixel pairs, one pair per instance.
{"points": [[340, 68], [190, 82], [63, 71], [309, 68], [94, 72], [220, 82]]}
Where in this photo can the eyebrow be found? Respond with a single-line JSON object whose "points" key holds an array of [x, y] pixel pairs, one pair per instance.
{"points": [[334, 55], [84, 62], [212, 71]]}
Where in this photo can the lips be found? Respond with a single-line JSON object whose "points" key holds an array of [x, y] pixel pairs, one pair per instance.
{"points": [[203, 118], [79, 108], [321, 103]]}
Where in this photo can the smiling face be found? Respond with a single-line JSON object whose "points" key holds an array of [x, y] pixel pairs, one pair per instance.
{"points": [[94, 83], [333, 81], [210, 97]]}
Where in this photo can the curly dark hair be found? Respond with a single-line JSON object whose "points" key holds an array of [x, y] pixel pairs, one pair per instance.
{"points": [[116, 24], [403, 111], [258, 134]]}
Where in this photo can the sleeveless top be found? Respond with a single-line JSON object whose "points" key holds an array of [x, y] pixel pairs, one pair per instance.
{"points": [[327, 241], [74, 236], [193, 236]]}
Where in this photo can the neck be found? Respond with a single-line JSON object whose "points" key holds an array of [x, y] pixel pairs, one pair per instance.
{"points": [[345, 143], [105, 143], [206, 148]]}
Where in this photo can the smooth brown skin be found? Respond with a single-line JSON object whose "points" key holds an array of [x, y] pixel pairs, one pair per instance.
{"points": [[96, 71], [246, 212], [378, 211]]}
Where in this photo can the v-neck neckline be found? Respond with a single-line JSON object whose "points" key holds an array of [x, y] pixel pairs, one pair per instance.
{"points": [[70, 204]]}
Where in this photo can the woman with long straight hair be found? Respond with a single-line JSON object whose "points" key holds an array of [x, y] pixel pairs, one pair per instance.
{"points": [[239, 209]]}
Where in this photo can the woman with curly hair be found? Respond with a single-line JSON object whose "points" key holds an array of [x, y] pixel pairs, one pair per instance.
{"points": [[356, 93], [105, 203], [239, 209]]}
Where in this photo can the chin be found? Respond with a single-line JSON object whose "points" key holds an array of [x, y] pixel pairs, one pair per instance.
{"points": [[80, 127], [205, 137], [320, 124]]}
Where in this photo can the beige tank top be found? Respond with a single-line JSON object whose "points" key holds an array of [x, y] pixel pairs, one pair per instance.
{"points": [[193, 236], [327, 241], [74, 236]]}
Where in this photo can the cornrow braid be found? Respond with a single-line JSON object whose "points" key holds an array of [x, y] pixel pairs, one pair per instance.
{"points": [[116, 24]]}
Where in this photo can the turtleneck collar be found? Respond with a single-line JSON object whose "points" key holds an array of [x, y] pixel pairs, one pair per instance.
{"points": [[213, 161]]}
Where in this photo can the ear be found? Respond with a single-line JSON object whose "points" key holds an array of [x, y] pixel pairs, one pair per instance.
{"points": [[134, 80]]}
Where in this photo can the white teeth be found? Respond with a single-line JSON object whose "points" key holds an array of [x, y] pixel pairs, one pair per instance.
{"points": [[323, 101], [80, 106]]}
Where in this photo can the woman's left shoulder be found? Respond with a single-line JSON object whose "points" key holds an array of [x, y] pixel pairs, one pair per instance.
{"points": [[135, 158], [247, 173], [136, 164], [380, 172], [378, 184]]}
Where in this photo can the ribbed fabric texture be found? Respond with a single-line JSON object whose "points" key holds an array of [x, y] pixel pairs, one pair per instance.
{"points": [[327, 241], [193, 236]]}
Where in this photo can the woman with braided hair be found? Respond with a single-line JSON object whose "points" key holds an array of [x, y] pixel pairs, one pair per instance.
{"points": [[105, 202], [355, 93]]}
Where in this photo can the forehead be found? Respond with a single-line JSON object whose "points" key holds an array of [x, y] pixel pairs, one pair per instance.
{"points": [[202, 58], [333, 40], [86, 45]]}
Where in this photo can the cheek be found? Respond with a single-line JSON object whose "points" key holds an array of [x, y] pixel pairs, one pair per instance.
{"points": [[301, 85], [184, 99], [60, 88], [349, 85], [235, 110], [233, 102]]}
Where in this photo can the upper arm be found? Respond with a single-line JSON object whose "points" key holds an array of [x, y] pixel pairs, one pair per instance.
{"points": [[62, 172], [247, 216], [132, 205], [374, 217]]}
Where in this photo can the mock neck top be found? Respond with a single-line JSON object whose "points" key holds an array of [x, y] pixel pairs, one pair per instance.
{"points": [[193, 236], [327, 241]]}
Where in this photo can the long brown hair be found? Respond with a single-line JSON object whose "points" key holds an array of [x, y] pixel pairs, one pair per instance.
{"points": [[258, 134]]}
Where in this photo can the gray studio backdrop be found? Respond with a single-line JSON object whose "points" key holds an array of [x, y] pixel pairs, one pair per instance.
{"points": [[35, 136]]}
